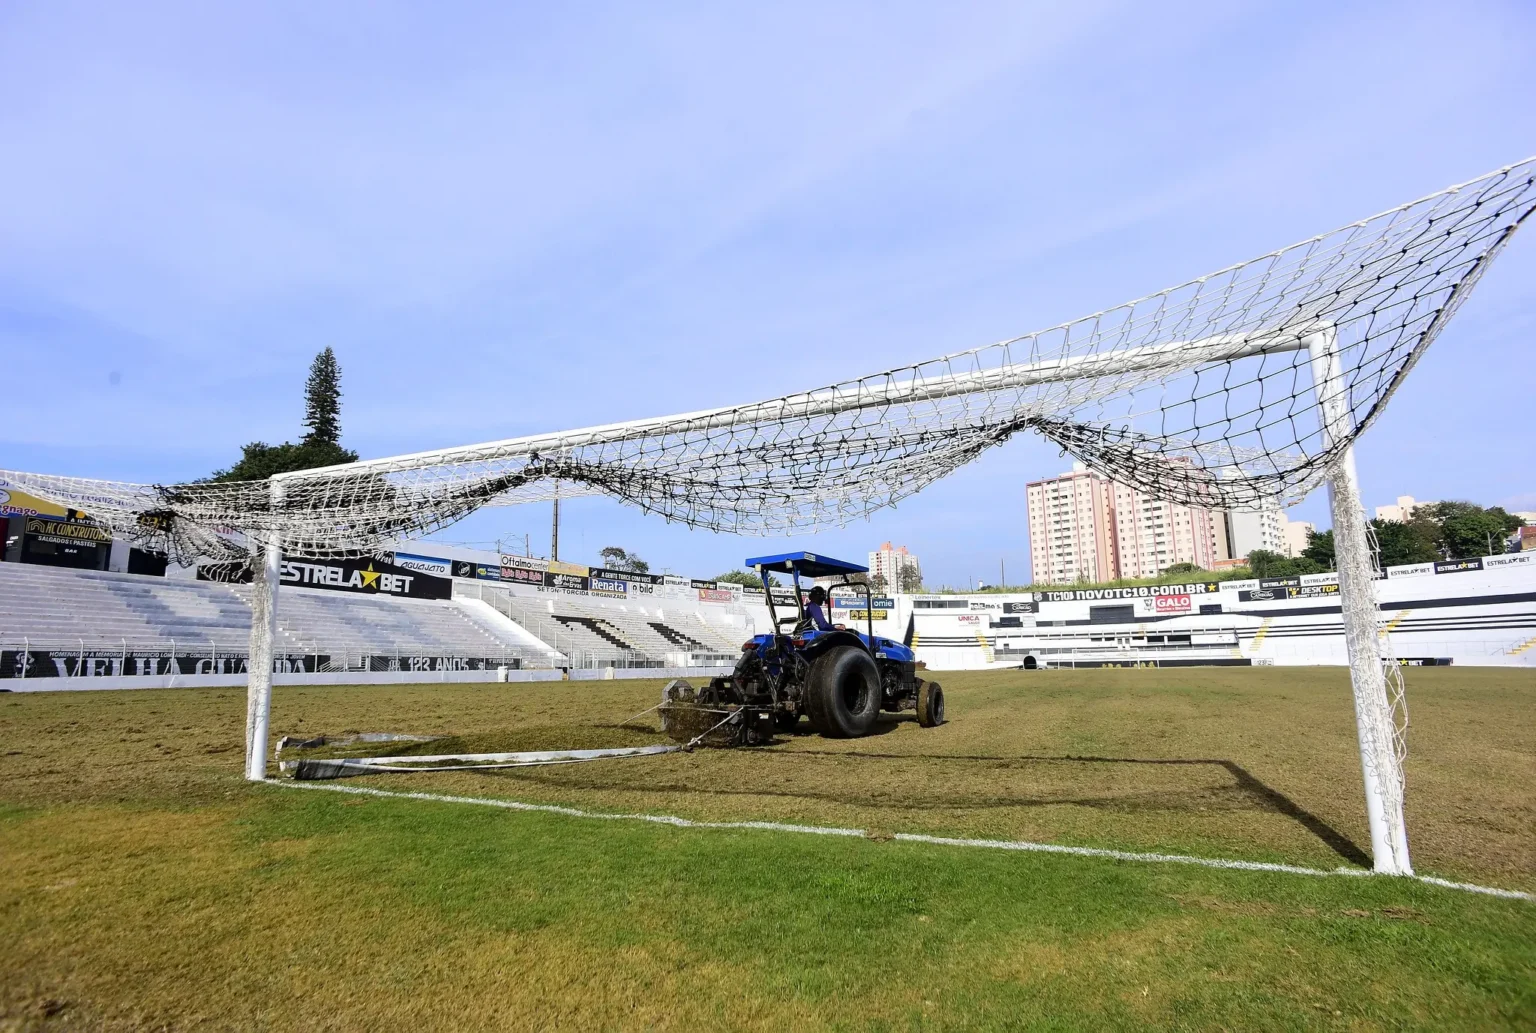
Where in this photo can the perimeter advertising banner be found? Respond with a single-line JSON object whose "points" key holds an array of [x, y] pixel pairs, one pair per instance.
{"points": [[365, 577], [523, 570], [611, 588], [434, 565], [1138, 592], [523, 575], [627, 575], [1166, 605], [567, 577], [1265, 595], [65, 542], [15, 663]]}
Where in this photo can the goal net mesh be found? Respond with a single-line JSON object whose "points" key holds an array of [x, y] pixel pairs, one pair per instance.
{"points": [[1201, 394]]}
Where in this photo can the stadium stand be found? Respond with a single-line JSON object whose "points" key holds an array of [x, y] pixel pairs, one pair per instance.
{"points": [[592, 631], [55, 607], [328, 622]]}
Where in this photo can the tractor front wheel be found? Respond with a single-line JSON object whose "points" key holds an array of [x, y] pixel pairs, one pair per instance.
{"points": [[930, 704], [843, 693]]}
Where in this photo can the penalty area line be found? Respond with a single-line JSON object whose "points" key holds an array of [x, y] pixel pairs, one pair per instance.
{"points": [[905, 837]]}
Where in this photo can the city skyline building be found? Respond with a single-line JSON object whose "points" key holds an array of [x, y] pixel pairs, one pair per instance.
{"points": [[1086, 527], [888, 563]]}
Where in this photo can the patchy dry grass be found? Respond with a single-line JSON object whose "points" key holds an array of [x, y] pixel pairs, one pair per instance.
{"points": [[148, 886]]}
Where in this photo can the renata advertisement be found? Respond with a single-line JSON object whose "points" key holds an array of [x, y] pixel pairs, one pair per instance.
{"points": [[610, 587]]}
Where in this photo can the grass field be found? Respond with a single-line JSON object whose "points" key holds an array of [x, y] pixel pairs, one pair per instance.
{"points": [[147, 885]]}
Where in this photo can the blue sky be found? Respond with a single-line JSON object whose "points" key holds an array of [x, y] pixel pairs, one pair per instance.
{"points": [[513, 218]]}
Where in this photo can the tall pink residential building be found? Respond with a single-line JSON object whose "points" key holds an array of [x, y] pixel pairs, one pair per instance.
{"points": [[1085, 527]]}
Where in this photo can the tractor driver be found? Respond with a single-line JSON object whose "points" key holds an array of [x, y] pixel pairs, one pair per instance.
{"points": [[815, 614]]}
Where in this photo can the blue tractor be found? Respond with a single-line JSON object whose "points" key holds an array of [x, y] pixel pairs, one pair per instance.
{"points": [[839, 679]]}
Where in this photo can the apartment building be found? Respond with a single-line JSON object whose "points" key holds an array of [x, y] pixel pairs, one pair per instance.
{"points": [[1071, 527], [1086, 527], [889, 563]]}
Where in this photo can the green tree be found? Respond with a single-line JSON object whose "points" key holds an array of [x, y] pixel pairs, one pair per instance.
{"points": [[322, 400], [320, 447], [745, 577], [1401, 543], [910, 579], [1320, 549], [1265, 563], [1185, 568], [1467, 529], [616, 558]]}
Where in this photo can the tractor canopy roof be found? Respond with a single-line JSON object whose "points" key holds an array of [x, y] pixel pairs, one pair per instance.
{"points": [[807, 563]]}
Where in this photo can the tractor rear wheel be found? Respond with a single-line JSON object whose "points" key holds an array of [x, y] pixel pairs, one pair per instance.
{"points": [[930, 704], [843, 693]]}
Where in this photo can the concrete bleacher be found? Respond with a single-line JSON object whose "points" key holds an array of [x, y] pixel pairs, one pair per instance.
{"points": [[53, 608], [593, 631], [56, 607], [369, 625]]}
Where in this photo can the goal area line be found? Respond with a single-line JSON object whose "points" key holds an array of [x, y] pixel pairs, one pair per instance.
{"points": [[1023, 846]]}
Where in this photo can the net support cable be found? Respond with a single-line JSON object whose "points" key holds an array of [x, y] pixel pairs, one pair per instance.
{"points": [[1245, 388]]}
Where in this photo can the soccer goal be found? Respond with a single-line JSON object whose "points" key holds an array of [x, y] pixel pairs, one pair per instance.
{"points": [[1242, 388]]}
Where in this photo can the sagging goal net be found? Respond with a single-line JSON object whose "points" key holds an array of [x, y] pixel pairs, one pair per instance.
{"points": [[1202, 394]]}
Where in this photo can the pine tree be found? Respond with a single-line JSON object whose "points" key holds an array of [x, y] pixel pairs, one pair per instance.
{"points": [[322, 400], [321, 446]]}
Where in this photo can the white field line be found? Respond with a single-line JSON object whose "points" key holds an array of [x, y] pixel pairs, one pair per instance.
{"points": [[908, 837]]}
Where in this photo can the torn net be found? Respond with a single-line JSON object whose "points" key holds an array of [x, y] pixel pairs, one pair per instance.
{"points": [[1201, 394]]}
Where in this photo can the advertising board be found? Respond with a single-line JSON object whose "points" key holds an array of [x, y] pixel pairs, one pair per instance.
{"points": [[1166, 604], [1457, 566], [611, 588], [1138, 592], [434, 565], [566, 582]]}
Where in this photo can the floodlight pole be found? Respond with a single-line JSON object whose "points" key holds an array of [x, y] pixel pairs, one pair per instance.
{"points": [[258, 693], [1352, 553]]}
